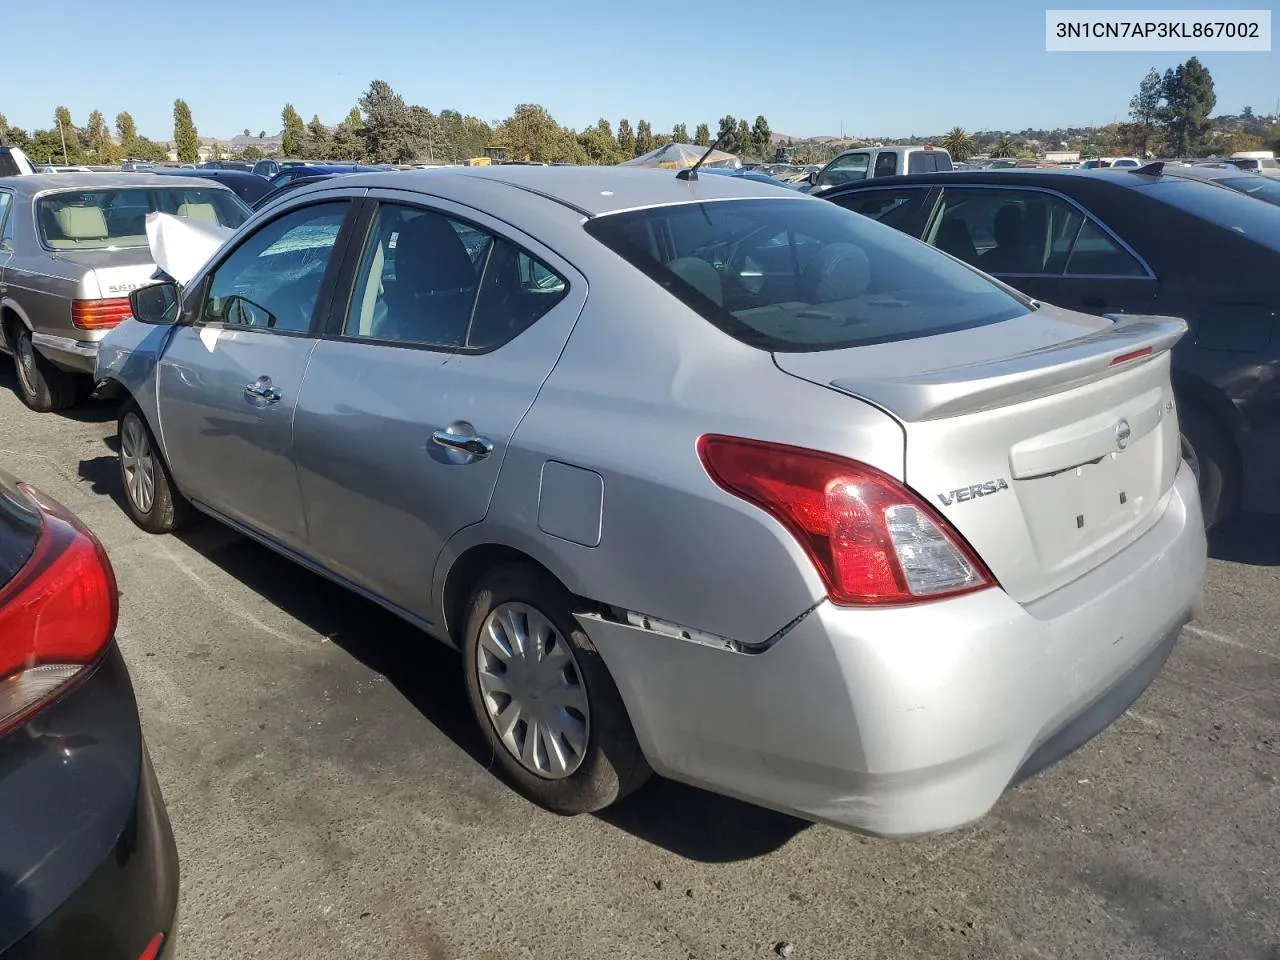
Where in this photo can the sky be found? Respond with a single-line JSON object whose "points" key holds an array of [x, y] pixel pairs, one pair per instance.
{"points": [[813, 68]]}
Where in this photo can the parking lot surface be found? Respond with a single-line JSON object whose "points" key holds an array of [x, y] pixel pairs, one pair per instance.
{"points": [[331, 797]]}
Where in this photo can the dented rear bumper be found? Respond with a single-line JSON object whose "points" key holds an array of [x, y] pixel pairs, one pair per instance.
{"points": [[914, 720]]}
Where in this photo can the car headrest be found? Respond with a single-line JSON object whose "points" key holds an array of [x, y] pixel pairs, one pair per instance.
{"points": [[82, 223], [700, 275], [430, 257], [839, 271], [198, 211]]}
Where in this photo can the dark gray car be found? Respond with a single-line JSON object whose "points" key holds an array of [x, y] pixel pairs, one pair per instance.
{"points": [[72, 246]]}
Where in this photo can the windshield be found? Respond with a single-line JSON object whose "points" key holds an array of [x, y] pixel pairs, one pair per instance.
{"points": [[1260, 188], [798, 275], [112, 219], [1234, 211]]}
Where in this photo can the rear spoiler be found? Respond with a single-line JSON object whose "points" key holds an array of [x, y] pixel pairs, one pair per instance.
{"points": [[970, 388]]}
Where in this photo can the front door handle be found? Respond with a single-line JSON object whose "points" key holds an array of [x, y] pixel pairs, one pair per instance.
{"points": [[461, 437], [262, 391]]}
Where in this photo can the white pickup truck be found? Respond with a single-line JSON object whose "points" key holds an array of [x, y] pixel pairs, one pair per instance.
{"points": [[867, 162]]}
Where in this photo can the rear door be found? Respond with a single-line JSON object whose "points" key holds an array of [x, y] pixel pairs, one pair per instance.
{"points": [[410, 401], [1044, 244], [228, 383]]}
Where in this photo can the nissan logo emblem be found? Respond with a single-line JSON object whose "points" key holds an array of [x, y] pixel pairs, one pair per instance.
{"points": [[1122, 434]]}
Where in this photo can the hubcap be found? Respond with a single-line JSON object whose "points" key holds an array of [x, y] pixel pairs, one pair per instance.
{"points": [[533, 690], [137, 463], [26, 362]]}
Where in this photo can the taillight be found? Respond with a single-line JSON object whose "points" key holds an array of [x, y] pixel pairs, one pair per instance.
{"points": [[56, 616], [99, 314], [154, 948], [872, 540]]}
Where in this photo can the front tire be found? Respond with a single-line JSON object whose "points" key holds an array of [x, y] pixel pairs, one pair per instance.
{"points": [[42, 386], [153, 501], [544, 699]]}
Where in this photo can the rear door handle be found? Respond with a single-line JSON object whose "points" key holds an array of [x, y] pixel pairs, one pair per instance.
{"points": [[262, 390], [467, 442]]}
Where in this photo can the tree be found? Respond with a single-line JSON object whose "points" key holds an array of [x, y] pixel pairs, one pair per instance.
{"points": [[4, 128], [385, 132], [293, 135], [1144, 112], [251, 153], [702, 136], [185, 137], [1247, 112], [318, 138], [762, 139], [346, 143], [744, 138], [214, 151], [644, 138], [461, 137], [1188, 101], [959, 144], [626, 139], [127, 132], [17, 137], [531, 133], [101, 147], [680, 133], [68, 139], [1004, 147], [262, 134], [246, 133], [728, 129], [600, 145]]}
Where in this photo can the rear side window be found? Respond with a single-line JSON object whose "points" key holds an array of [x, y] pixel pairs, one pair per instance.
{"points": [[1233, 211], [887, 165], [799, 275], [8, 166], [109, 219], [1260, 188], [897, 208]]}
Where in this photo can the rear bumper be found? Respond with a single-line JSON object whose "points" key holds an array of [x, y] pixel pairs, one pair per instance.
{"points": [[89, 855], [915, 720], [77, 356]]}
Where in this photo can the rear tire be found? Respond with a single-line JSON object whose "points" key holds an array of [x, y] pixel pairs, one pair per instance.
{"points": [[1213, 459], [42, 386], [599, 759], [153, 502]]}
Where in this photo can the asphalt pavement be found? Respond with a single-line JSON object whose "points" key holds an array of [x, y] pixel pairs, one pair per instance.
{"points": [[331, 796]]}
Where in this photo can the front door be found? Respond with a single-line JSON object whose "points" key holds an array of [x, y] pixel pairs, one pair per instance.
{"points": [[229, 381], [410, 403]]}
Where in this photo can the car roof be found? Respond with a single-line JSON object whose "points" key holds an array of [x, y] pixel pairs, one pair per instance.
{"points": [[207, 174], [1125, 177], [591, 191], [41, 182]]}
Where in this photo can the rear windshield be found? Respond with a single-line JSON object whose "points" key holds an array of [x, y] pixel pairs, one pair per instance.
{"points": [[1260, 222], [1260, 188], [928, 161], [110, 219], [801, 275]]}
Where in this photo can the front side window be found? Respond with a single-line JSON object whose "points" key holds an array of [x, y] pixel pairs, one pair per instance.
{"points": [[895, 208], [112, 219], [846, 169], [6, 222], [1025, 232], [796, 275], [434, 281], [272, 281]]}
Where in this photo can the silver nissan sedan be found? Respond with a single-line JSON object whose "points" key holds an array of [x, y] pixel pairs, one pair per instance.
{"points": [[702, 476]]}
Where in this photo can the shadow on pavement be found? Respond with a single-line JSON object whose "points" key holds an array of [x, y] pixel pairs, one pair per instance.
{"points": [[103, 476], [687, 821], [84, 411], [1247, 538]]}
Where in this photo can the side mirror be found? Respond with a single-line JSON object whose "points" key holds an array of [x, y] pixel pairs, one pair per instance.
{"points": [[157, 303], [813, 177]]}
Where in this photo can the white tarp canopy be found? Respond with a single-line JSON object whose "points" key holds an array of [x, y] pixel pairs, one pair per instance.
{"points": [[679, 156], [180, 246]]}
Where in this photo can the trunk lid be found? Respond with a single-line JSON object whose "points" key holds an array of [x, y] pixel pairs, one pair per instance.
{"points": [[112, 273], [1050, 442]]}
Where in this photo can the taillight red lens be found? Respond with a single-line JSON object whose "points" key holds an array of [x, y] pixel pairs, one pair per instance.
{"points": [[99, 314], [871, 539], [154, 948], [56, 616]]}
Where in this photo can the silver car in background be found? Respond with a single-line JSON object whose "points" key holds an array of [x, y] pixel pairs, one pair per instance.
{"points": [[702, 476], [72, 246]]}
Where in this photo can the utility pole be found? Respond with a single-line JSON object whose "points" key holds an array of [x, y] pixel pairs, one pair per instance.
{"points": [[65, 161]]}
